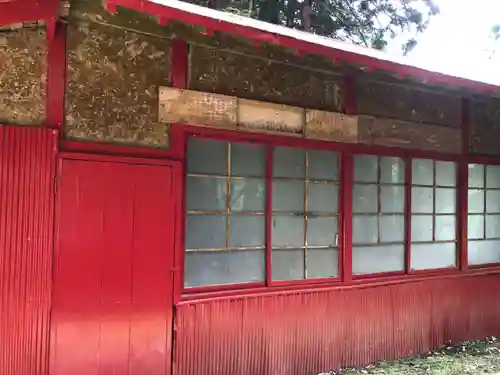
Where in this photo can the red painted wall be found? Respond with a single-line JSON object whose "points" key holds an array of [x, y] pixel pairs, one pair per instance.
{"points": [[27, 159], [308, 332]]}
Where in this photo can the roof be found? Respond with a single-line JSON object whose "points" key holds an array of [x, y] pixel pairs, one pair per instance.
{"points": [[301, 41]]}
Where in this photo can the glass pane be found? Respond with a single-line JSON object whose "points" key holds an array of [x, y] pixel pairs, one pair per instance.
{"points": [[287, 231], [287, 264], [492, 226], [365, 198], [475, 228], [322, 263], [365, 168], [392, 170], [322, 231], [247, 230], [205, 231], [433, 255], [421, 227], [393, 199], [322, 197], [476, 175], [323, 165], [224, 267], [248, 159], [422, 172], [248, 195], [445, 228], [493, 201], [476, 201], [364, 229], [484, 252], [207, 157], [376, 259], [288, 196], [422, 200], [446, 201], [289, 162], [446, 173], [392, 228], [493, 176], [206, 194]]}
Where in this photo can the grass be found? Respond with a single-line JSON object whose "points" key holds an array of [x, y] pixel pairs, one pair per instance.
{"points": [[468, 358]]}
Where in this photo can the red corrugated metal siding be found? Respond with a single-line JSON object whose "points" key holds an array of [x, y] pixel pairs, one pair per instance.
{"points": [[27, 157], [305, 333]]}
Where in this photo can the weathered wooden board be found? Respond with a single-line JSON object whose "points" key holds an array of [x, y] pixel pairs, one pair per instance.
{"points": [[113, 81], [23, 76], [403, 102], [331, 126], [269, 117], [263, 80], [197, 108], [405, 134], [485, 126]]}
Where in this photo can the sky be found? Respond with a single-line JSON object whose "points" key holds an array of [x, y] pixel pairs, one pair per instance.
{"points": [[458, 41]]}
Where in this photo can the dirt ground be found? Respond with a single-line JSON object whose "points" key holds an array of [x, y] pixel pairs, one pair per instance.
{"points": [[468, 358]]}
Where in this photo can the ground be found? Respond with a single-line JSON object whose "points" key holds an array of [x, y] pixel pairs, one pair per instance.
{"points": [[469, 358]]}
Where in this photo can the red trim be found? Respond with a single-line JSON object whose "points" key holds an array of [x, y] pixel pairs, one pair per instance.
{"points": [[346, 209], [269, 215], [178, 188], [306, 47], [56, 77], [462, 189], [15, 11], [408, 213], [113, 159], [179, 73], [217, 288]]}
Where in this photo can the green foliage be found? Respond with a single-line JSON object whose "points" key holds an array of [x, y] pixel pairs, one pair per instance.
{"points": [[371, 23]]}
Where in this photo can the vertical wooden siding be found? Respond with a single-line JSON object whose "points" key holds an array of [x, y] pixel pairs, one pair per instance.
{"points": [[27, 157], [306, 333]]}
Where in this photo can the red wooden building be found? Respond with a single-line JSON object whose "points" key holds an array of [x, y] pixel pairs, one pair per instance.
{"points": [[189, 192]]}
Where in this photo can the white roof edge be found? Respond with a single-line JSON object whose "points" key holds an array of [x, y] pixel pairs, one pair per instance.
{"points": [[235, 19]]}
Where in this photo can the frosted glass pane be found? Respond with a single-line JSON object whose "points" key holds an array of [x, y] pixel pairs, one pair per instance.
{"points": [[376, 259], [422, 200], [393, 199], [475, 227], [446, 173], [364, 229], [392, 170], [476, 175], [206, 194], [287, 231], [322, 263], [445, 228], [431, 256], [392, 228], [248, 159], [322, 231], [422, 172], [365, 168], [323, 165], [247, 230], [365, 198], [446, 201], [248, 195], [492, 226], [224, 267], [483, 252], [322, 197], [288, 196], [493, 176], [287, 264], [421, 227], [493, 201], [476, 201], [207, 157], [205, 231], [289, 162]]}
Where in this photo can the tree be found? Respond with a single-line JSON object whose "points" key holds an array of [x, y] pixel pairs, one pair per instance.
{"points": [[371, 23]]}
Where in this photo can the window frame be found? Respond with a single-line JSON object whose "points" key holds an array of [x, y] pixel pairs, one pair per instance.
{"points": [[346, 154]]}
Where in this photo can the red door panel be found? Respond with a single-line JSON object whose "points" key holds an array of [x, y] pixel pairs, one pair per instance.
{"points": [[112, 303]]}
